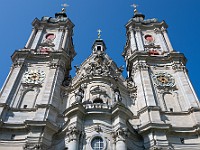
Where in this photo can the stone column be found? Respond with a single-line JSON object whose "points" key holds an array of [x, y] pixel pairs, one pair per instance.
{"points": [[161, 40], [120, 139], [132, 40], [167, 39], [72, 138], [37, 38], [139, 39], [31, 38], [65, 39]]}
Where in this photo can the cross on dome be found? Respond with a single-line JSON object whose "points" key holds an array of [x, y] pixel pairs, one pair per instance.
{"points": [[99, 33], [64, 7], [135, 7]]}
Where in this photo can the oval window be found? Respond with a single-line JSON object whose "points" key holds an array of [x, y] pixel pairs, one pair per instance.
{"points": [[97, 143], [50, 36], [149, 38]]}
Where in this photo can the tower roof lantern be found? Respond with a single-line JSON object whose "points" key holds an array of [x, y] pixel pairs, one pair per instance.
{"points": [[62, 14], [99, 44]]}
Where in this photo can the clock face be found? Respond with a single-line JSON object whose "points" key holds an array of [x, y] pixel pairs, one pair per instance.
{"points": [[163, 79], [34, 76]]}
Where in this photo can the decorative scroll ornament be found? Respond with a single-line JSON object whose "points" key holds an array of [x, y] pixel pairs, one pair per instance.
{"points": [[34, 77], [164, 79]]}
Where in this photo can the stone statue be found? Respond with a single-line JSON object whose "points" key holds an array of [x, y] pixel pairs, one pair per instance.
{"points": [[118, 97], [79, 95]]}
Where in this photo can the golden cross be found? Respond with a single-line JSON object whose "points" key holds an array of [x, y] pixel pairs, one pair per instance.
{"points": [[135, 7], [99, 33]]}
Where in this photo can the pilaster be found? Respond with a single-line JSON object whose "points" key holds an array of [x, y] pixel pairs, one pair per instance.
{"points": [[139, 40]]}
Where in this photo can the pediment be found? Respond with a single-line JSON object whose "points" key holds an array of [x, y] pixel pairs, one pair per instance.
{"points": [[98, 64]]}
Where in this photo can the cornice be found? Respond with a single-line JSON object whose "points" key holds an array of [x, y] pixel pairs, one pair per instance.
{"points": [[149, 126], [147, 108], [120, 109], [166, 58], [150, 23], [29, 123]]}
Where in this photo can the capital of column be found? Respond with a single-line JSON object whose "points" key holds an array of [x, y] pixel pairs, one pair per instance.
{"points": [[73, 134], [157, 30], [120, 135], [142, 66], [137, 29]]}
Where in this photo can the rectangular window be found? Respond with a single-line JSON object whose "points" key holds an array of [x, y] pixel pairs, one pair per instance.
{"points": [[99, 48]]}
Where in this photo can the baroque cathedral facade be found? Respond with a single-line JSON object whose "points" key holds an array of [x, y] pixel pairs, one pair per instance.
{"points": [[42, 107]]}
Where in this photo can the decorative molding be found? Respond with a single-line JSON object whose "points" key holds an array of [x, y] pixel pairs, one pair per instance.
{"points": [[33, 147], [55, 63], [44, 50], [178, 67], [140, 66], [137, 29], [17, 64], [157, 30], [97, 128]]}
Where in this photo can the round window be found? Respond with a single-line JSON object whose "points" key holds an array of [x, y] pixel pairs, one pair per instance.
{"points": [[97, 143]]}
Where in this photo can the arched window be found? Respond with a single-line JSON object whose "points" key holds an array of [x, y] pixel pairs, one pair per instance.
{"points": [[98, 100], [97, 143]]}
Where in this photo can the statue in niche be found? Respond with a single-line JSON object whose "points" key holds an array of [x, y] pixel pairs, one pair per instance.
{"points": [[79, 95], [118, 97]]}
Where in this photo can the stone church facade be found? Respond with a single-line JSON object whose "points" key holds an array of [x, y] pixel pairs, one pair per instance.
{"points": [[43, 107]]}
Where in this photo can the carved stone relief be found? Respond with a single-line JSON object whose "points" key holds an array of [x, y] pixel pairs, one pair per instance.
{"points": [[178, 67], [99, 67], [99, 92], [132, 89]]}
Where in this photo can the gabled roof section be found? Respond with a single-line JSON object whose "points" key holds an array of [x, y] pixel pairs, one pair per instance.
{"points": [[98, 64]]}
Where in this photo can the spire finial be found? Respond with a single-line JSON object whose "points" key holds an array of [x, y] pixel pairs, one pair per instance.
{"points": [[64, 7], [135, 8], [99, 33]]}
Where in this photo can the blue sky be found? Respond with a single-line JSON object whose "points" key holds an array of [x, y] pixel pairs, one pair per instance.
{"points": [[110, 16]]}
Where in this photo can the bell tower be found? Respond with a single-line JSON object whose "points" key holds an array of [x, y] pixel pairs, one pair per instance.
{"points": [[168, 108], [31, 98]]}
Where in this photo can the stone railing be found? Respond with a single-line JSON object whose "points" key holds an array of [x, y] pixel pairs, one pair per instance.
{"points": [[97, 106]]}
